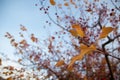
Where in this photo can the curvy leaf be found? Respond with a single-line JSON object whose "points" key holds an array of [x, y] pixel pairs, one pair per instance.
{"points": [[52, 2], [60, 63], [84, 50], [73, 32], [105, 32], [79, 30]]}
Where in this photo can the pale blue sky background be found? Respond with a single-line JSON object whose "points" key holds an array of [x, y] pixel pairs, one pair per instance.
{"points": [[16, 12]]}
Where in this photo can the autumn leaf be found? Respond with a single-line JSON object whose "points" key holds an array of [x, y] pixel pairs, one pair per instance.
{"points": [[8, 35], [36, 58], [19, 60], [85, 78], [34, 39], [89, 10], [84, 50], [103, 61], [11, 68], [23, 42], [15, 44], [23, 28], [60, 63], [73, 32], [71, 1], [10, 78], [105, 32], [0, 61], [52, 2], [70, 68], [78, 29], [66, 4]]}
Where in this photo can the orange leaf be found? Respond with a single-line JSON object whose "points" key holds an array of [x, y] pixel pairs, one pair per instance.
{"points": [[23, 42], [34, 39], [73, 32], [52, 2], [88, 10], [10, 78], [78, 29], [11, 68], [60, 63], [70, 68], [105, 32], [84, 50], [66, 4]]}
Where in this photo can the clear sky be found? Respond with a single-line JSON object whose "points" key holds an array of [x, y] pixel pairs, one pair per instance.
{"points": [[16, 12]]}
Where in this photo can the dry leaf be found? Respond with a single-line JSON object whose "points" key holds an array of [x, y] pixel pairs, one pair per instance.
{"points": [[73, 32], [60, 63], [23, 28], [66, 4], [34, 39], [89, 10], [84, 50], [23, 42], [105, 32], [19, 60], [52, 2], [10, 78], [71, 1], [78, 29], [0, 61]]}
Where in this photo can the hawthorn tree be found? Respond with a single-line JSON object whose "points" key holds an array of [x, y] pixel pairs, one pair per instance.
{"points": [[86, 45]]}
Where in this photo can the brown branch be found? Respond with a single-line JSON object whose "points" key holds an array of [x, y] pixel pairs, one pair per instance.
{"points": [[113, 56], [109, 41], [108, 63], [56, 23], [115, 5], [106, 55]]}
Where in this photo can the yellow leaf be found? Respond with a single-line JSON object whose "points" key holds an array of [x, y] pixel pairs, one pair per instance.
{"points": [[52, 2], [105, 32], [73, 32], [10, 78], [70, 68], [84, 50], [78, 29], [66, 4], [60, 63]]}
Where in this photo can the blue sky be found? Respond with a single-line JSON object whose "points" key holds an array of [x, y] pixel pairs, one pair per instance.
{"points": [[16, 12]]}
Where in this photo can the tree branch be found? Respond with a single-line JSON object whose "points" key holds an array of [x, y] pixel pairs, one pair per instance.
{"points": [[115, 6]]}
